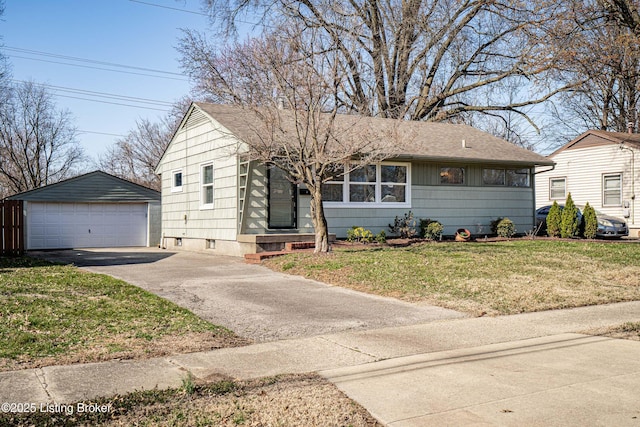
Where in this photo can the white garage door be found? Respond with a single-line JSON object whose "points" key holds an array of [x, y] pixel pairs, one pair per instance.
{"points": [[85, 225]]}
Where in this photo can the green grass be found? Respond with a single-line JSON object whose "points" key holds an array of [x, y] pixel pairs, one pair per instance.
{"points": [[496, 278], [50, 311]]}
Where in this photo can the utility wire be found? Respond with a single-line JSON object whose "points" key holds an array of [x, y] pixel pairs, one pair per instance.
{"points": [[91, 61], [107, 98]]}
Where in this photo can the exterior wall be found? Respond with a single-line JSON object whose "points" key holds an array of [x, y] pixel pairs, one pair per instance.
{"points": [[472, 208], [154, 216], [583, 169], [472, 205], [197, 142]]}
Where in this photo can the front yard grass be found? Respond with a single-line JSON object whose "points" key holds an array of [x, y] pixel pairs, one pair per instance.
{"points": [[56, 314], [289, 400], [491, 278]]}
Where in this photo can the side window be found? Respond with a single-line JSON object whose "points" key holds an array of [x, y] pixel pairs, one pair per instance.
{"points": [[557, 188], [206, 179], [612, 190], [176, 180]]}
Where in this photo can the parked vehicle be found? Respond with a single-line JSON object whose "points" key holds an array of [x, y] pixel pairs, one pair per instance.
{"points": [[608, 226]]}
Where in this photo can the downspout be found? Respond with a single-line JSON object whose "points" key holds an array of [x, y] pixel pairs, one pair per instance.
{"points": [[633, 180]]}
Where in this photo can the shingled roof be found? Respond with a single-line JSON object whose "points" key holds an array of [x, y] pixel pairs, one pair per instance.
{"points": [[419, 140], [602, 137]]}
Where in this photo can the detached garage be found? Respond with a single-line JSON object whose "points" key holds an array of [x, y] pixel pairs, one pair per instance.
{"points": [[91, 211]]}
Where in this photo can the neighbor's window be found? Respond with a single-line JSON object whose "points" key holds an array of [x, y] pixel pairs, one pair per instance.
{"points": [[176, 180], [493, 177], [207, 186], [557, 188], [450, 175], [518, 178], [612, 190], [385, 183]]}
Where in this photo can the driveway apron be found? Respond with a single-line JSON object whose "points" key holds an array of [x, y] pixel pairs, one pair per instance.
{"points": [[251, 300]]}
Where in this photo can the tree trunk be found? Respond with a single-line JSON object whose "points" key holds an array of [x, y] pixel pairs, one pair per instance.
{"points": [[319, 222]]}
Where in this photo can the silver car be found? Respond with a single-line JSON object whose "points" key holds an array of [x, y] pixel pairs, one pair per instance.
{"points": [[608, 226]]}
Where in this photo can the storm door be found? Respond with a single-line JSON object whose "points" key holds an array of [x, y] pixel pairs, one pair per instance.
{"points": [[282, 200]]}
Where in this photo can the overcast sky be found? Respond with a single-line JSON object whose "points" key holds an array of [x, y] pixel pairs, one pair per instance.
{"points": [[71, 44]]}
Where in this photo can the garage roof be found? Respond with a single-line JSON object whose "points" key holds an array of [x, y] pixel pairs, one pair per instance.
{"points": [[93, 187]]}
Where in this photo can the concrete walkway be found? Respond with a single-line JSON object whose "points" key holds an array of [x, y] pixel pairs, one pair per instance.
{"points": [[528, 369]]}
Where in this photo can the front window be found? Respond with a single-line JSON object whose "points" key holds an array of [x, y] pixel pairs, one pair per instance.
{"points": [[450, 175], [557, 188], [207, 186], [493, 177], [386, 183], [176, 180], [518, 177], [612, 190]]}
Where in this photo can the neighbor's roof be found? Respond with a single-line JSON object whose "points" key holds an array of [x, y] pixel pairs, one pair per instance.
{"points": [[419, 140], [594, 138], [93, 187]]}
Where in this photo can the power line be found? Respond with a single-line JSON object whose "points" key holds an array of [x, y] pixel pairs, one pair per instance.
{"points": [[87, 60], [169, 7], [101, 133], [96, 68], [107, 98], [256, 24]]}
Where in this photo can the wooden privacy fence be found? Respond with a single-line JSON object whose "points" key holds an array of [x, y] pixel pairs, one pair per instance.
{"points": [[12, 227]]}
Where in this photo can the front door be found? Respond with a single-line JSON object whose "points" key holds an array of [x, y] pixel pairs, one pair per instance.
{"points": [[282, 200]]}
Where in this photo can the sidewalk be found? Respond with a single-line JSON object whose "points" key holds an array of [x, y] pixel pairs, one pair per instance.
{"points": [[532, 369]]}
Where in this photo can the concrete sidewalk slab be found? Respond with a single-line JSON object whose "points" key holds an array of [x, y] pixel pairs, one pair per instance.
{"points": [[442, 335], [567, 379], [274, 358]]}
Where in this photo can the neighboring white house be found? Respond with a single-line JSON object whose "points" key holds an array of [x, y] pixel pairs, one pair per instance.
{"points": [[602, 168], [456, 174]]}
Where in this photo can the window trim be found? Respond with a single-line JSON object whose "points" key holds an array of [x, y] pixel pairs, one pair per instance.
{"points": [[564, 193], [176, 188], [346, 183], [604, 177], [203, 186]]}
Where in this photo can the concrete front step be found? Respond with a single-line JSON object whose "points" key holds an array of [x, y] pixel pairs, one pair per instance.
{"points": [[288, 248]]}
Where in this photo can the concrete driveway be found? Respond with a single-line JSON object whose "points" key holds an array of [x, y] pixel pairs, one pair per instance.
{"points": [[251, 300]]}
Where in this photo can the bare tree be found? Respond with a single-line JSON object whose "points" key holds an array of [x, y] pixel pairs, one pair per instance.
{"points": [[422, 59], [624, 12], [295, 98], [136, 156], [605, 56], [38, 144]]}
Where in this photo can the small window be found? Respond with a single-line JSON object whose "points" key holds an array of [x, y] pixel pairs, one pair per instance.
{"points": [[178, 241], [518, 178], [206, 176], [450, 175], [210, 244], [176, 180], [493, 177], [612, 190], [557, 188]]}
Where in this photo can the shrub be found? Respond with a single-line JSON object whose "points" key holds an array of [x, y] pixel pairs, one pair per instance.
{"points": [[433, 230], [494, 225], [569, 223], [359, 234], [554, 218], [506, 228], [381, 237], [405, 226], [589, 221]]}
